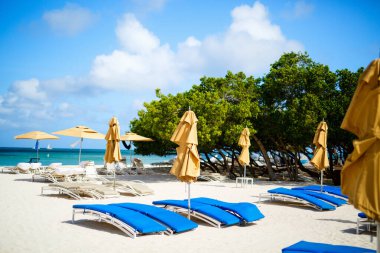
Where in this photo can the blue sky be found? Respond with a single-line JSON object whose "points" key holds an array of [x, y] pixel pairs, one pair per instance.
{"points": [[68, 63]]}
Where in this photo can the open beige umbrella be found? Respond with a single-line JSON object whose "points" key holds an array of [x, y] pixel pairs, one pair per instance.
{"points": [[244, 142], [81, 132], [187, 164], [37, 135], [112, 137], [129, 136], [320, 159], [361, 170]]}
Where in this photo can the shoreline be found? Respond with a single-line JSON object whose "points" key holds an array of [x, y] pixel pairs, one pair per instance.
{"points": [[35, 223]]}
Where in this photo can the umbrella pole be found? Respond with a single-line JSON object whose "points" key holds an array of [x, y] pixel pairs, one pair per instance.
{"points": [[321, 180], [378, 237], [114, 178], [130, 154], [80, 149], [188, 201], [37, 146]]}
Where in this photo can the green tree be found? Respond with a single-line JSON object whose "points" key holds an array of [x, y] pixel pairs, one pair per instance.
{"points": [[224, 106]]}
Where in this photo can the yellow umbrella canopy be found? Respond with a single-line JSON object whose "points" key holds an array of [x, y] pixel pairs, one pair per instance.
{"points": [[361, 171], [134, 137], [244, 142], [187, 164], [37, 135], [112, 137], [81, 132], [320, 159]]}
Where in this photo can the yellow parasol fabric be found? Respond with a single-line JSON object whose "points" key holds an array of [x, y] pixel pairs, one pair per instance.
{"points": [[36, 135], [112, 137], [187, 164], [320, 159], [244, 142], [134, 137], [361, 171], [81, 132]]}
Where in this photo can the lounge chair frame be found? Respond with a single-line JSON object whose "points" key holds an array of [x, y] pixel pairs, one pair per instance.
{"points": [[283, 197], [367, 222], [102, 217], [61, 190], [195, 214], [75, 191]]}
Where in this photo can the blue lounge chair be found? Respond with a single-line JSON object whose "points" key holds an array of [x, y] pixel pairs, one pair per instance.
{"points": [[325, 197], [247, 212], [298, 196], [175, 222], [210, 214], [334, 190], [313, 247], [130, 222]]}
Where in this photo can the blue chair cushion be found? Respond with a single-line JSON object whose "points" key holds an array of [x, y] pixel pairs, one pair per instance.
{"points": [[335, 190], [216, 213], [136, 220], [313, 247], [172, 220], [295, 193], [325, 197], [247, 211]]}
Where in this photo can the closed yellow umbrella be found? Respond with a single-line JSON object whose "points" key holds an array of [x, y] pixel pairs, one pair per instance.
{"points": [[112, 137], [244, 142], [361, 170], [81, 132], [187, 164], [37, 135], [320, 159]]}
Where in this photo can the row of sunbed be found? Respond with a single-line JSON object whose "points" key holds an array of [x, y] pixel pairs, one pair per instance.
{"points": [[136, 219]]}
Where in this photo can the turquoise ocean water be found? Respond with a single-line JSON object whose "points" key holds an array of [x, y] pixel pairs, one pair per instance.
{"points": [[12, 156]]}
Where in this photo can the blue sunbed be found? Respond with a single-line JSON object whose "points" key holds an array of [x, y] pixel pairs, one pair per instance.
{"points": [[177, 223], [247, 212], [313, 247], [302, 197], [326, 197], [334, 190], [210, 214], [129, 221]]}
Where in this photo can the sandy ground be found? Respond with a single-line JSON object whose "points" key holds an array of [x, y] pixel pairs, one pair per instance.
{"points": [[34, 223]]}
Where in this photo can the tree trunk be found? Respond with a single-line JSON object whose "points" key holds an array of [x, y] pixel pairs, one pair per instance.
{"points": [[266, 157]]}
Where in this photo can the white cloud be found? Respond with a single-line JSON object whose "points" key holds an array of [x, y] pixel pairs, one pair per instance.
{"points": [[134, 37], [250, 44], [70, 20], [28, 103]]}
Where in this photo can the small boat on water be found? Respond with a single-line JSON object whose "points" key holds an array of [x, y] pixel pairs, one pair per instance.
{"points": [[49, 146]]}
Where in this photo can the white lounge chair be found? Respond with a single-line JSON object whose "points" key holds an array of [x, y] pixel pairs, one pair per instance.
{"points": [[134, 187], [78, 189], [21, 168]]}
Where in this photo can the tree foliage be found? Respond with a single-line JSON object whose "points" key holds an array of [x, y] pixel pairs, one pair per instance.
{"points": [[282, 111]]}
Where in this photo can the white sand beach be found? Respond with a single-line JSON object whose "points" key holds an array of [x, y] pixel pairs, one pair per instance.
{"points": [[34, 223]]}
